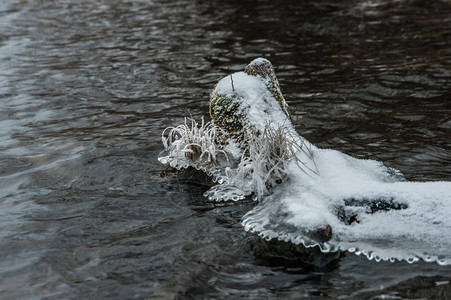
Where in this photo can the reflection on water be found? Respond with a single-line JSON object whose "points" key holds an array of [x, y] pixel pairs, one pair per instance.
{"points": [[86, 88]]}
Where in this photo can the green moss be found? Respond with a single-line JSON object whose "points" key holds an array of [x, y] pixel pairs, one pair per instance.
{"points": [[225, 113]]}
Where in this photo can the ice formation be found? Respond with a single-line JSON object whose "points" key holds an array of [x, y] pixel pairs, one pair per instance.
{"points": [[251, 148]]}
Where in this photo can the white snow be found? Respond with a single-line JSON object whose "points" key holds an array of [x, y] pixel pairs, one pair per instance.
{"points": [[421, 230]]}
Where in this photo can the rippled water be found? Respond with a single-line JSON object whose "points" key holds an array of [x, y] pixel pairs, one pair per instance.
{"points": [[86, 87]]}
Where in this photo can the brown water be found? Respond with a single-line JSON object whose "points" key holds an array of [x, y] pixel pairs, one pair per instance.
{"points": [[87, 86]]}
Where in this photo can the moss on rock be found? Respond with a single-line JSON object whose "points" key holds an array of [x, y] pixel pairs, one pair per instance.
{"points": [[225, 111], [225, 107]]}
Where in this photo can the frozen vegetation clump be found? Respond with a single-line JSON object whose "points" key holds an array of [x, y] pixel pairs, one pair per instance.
{"points": [[307, 197], [250, 140], [193, 144]]}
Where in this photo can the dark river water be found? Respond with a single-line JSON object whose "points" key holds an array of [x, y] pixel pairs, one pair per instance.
{"points": [[87, 86]]}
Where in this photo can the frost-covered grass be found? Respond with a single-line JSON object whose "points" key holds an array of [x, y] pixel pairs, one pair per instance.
{"points": [[267, 156], [262, 164], [193, 143]]}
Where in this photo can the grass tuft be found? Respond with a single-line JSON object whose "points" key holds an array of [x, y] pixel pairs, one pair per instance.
{"points": [[267, 156], [194, 143]]}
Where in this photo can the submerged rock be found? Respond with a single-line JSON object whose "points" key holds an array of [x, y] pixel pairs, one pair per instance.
{"points": [[288, 251]]}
